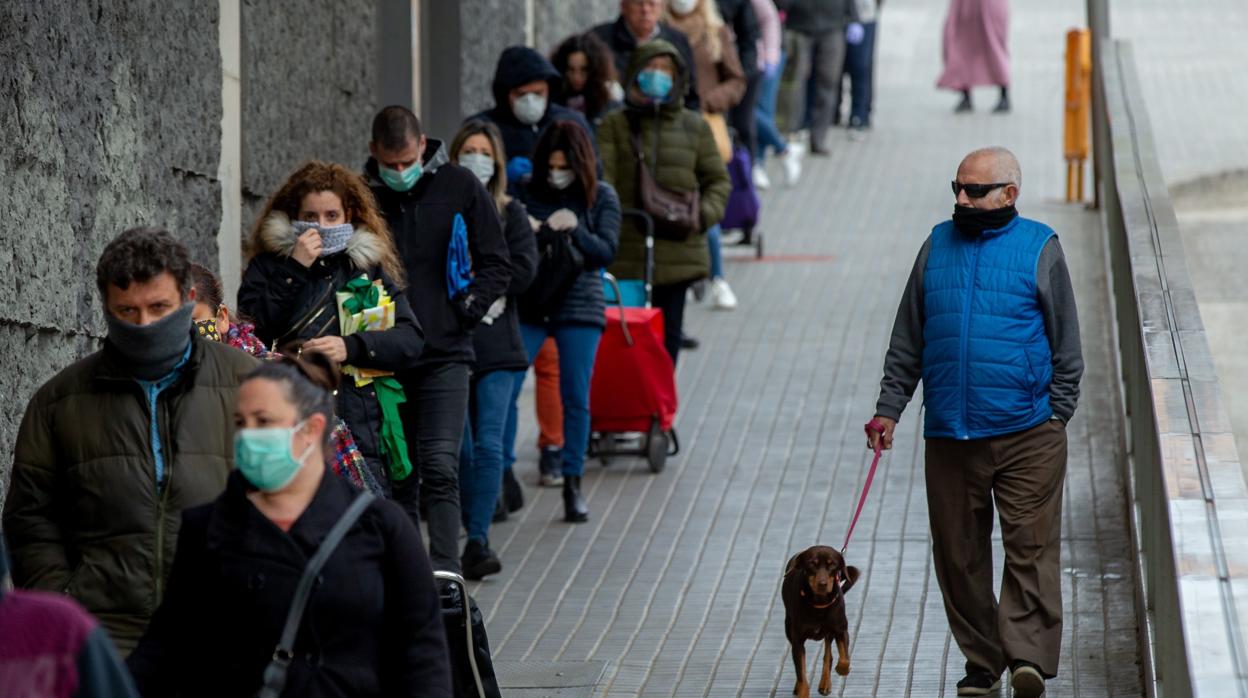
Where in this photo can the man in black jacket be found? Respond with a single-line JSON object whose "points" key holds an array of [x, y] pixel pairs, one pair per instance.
{"points": [[637, 24], [523, 83], [421, 194]]}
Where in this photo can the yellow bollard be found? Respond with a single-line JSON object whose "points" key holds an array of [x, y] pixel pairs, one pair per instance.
{"points": [[1078, 108]]}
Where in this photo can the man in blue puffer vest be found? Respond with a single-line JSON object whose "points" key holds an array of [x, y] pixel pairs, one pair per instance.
{"points": [[988, 323]]}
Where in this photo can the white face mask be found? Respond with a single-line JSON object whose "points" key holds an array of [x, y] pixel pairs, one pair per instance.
{"points": [[561, 179], [683, 7], [529, 108], [479, 164]]}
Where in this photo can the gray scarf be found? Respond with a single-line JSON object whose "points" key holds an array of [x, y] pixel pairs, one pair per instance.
{"points": [[152, 350]]}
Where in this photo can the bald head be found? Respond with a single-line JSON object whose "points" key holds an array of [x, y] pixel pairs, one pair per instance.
{"points": [[994, 165]]}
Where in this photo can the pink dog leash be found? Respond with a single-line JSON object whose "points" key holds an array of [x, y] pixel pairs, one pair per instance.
{"points": [[871, 426]]}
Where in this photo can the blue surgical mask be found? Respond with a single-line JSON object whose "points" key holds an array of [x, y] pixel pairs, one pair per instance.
{"points": [[401, 181], [655, 84], [265, 458]]}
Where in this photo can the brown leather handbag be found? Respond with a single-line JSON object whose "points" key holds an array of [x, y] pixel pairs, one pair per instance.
{"points": [[676, 214]]}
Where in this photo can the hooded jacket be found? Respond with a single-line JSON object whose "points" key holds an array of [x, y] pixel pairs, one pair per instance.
{"points": [[622, 42], [521, 65], [688, 160], [499, 346], [421, 221], [288, 301], [372, 626], [84, 514]]}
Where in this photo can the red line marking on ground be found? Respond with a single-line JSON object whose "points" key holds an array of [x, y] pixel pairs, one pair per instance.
{"points": [[789, 258]]}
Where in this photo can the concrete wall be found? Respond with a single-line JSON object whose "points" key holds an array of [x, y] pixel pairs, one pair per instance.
{"points": [[309, 89], [540, 23], [107, 124]]}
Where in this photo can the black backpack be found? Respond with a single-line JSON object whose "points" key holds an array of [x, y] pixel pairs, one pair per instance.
{"points": [[559, 263]]}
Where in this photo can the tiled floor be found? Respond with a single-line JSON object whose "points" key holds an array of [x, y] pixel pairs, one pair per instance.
{"points": [[675, 580]]}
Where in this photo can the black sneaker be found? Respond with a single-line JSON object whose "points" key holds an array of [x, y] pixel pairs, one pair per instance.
{"points": [[979, 683], [687, 342], [550, 467], [1026, 680], [478, 560]]}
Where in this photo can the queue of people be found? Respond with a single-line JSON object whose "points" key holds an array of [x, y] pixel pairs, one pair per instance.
{"points": [[181, 481]]}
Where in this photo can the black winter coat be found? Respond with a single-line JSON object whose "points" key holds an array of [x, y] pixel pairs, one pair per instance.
{"points": [[597, 236], [372, 627], [620, 39], [288, 301], [499, 346], [421, 221], [818, 17]]}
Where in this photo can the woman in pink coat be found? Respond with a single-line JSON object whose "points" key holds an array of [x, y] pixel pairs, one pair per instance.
{"points": [[976, 49]]}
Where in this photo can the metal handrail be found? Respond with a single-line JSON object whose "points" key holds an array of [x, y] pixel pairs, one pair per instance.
{"points": [[1188, 493]]}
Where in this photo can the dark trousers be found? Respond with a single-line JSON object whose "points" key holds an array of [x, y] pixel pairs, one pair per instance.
{"points": [[1024, 473], [820, 62], [860, 68], [671, 300], [433, 422], [742, 116]]}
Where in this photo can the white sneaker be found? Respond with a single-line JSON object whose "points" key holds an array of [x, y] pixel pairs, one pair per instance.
{"points": [[792, 160], [722, 297], [761, 180]]}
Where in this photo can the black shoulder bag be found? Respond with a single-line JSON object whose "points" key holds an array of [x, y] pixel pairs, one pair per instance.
{"points": [[275, 672], [559, 264]]}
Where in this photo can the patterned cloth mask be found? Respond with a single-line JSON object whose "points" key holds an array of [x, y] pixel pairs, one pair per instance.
{"points": [[334, 238]]}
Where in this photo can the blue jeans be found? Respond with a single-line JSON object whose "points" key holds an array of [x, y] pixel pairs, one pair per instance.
{"points": [[765, 115], [481, 456], [713, 243], [578, 347]]}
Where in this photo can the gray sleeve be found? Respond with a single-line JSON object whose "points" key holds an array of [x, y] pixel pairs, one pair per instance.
{"points": [[1061, 324], [903, 364]]}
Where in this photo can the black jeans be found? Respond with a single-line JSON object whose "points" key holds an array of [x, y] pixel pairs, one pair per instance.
{"points": [[671, 300], [433, 422]]}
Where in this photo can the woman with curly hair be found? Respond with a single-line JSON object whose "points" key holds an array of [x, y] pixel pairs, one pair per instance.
{"points": [[589, 82], [320, 251]]}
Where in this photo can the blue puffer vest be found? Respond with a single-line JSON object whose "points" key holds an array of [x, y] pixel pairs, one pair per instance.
{"points": [[986, 359]]}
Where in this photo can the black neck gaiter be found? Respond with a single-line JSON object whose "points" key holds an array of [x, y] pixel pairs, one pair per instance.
{"points": [[153, 350], [974, 221]]}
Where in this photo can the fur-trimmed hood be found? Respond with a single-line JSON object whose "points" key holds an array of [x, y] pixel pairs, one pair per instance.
{"points": [[366, 248]]}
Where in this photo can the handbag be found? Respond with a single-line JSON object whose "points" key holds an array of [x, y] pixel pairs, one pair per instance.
{"points": [[719, 130], [676, 214], [559, 264], [275, 672]]}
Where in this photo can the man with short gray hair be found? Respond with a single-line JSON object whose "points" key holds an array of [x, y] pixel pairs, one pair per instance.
{"points": [[988, 323]]}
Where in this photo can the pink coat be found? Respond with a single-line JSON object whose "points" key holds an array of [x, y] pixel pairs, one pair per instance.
{"points": [[976, 47]]}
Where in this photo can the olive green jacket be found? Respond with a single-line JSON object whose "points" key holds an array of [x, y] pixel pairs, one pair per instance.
{"points": [[688, 160], [84, 515]]}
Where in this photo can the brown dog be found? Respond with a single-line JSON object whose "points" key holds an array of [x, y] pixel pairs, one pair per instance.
{"points": [[815, 582]]}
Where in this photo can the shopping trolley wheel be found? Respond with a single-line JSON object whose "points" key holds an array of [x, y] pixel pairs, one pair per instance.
{"points": [[600, 446], [758, 244], [656, 448]]}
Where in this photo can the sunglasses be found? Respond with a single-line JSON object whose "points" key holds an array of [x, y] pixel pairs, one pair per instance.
{"points": [[976, 191]]}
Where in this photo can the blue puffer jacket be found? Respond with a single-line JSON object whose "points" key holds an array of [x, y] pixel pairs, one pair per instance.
{"points": [[597, 235], [986, 358]]}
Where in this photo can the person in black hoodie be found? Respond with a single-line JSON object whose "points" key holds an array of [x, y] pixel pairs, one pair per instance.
{"points": [[638, 24], [373, 622], [317, 235], [421, 196], [567, 196], [524, 84], [501, 358]]}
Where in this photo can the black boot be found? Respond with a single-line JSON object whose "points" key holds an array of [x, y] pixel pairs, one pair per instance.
{"points": [[500, 511], [478, 560], [574, 508], [965, 104], [513, 494], [1003, 106]]}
